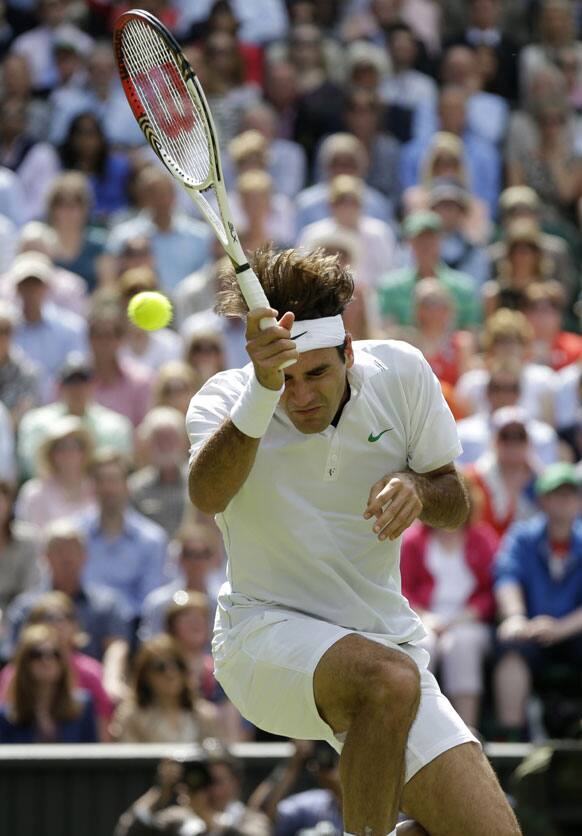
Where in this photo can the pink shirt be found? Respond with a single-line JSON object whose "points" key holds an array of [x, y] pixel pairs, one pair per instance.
{"points": [[87, 674], [130, 394]]}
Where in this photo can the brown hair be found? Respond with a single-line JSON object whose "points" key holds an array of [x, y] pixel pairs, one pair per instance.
{"points": [[57, 602], [183, 602], [310, 285], [504, 324], [7, 489], [69, 184], [162, 645], [22, 688], [68, 425]]}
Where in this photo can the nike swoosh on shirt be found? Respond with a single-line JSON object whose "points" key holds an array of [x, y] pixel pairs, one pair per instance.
{"points": [[296, 336], [373, 437]]}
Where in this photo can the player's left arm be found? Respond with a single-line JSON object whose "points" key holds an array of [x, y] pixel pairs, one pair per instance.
{"points": [[438, 498]]}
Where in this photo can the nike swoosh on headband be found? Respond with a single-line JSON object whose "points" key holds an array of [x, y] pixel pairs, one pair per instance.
{"points": [[296, 336]]}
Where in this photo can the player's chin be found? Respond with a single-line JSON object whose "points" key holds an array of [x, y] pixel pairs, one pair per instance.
{"points": [[310, 422]]}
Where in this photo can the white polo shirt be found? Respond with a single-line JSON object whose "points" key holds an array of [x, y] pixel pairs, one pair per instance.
{"points": [[294, 533]]}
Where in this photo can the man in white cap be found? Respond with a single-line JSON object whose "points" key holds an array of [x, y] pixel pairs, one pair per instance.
{"points": [[45, 334], [314, 473]]}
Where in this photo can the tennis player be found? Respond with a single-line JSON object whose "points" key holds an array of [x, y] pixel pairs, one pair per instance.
{"points": [[314, 473]]}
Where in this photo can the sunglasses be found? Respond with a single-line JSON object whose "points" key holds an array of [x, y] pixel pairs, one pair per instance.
{"points": [[165, 665], [205, 348], [44, 653], [503, 387]]}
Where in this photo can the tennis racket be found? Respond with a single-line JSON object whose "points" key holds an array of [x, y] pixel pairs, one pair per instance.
{"points": [[171, 109]]}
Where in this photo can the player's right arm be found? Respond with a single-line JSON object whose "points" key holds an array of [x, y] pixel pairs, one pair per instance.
{"points": [[223, 462]]}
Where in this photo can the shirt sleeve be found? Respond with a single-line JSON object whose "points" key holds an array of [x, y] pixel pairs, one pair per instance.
{"points": [[509, 564], [432, 438], [211, 406]]}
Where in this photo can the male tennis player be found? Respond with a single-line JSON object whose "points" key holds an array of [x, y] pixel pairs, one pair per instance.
{"points": [[314, 473]]}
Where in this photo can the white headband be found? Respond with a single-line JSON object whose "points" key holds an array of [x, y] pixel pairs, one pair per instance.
{"points": [[325, 332]]}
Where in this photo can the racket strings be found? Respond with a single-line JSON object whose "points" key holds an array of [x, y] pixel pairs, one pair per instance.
{"points": [[174, 115]]}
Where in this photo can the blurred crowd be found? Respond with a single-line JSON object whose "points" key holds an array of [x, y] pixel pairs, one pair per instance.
{"points": [[434, 146]]}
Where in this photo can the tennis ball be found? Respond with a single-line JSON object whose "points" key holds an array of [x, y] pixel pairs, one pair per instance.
{"points": [[150, 310]]}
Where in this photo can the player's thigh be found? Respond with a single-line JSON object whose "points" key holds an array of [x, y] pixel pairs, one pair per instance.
{"points": [[354, 667], [458, 793]]}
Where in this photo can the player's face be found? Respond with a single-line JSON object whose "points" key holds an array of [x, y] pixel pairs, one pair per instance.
{"points": [[316, 387]]}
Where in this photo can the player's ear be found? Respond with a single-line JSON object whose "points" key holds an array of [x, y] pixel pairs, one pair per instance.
{"points": [[349, 351]]}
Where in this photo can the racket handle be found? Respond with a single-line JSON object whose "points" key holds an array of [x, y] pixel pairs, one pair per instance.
{"points": [[255, 298]]}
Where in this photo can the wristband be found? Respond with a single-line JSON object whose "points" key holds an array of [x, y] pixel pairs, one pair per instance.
{"points": [[254, 408]]}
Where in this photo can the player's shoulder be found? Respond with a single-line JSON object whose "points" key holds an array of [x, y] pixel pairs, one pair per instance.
{"points": [[395, 356]]}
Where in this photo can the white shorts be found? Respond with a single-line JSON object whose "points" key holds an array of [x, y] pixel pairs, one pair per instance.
{"points": [[265, 660]]}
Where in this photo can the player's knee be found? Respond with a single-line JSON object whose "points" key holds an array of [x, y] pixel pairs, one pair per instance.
{"points": [[393, 681]]}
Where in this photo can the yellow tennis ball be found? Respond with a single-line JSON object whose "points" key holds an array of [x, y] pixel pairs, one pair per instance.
{"points": [[150, 310]]}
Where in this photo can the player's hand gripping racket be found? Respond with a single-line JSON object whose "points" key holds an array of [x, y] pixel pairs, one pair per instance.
{"points": [[170, 107]]}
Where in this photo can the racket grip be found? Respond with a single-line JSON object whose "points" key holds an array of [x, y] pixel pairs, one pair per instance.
{"points": [[255, 298]]}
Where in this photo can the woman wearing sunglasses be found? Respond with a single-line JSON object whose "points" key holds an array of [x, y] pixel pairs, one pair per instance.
{"points": [[162, 708], [41, 704]]}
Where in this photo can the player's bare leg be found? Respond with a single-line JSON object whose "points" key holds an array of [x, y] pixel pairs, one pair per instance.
{"points": [[458, 793], [372, 693]]}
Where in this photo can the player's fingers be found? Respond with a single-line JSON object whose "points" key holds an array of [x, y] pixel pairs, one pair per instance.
{"points": [[254, 318], [381, 494], [399, 523], [277, 360], [388, 512]]}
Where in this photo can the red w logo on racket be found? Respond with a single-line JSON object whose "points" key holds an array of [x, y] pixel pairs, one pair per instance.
{"points": [[167, 98]]}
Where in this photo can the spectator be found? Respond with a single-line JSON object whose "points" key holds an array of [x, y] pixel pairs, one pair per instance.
{"points": [[452, 203], [523, 203], [449, 352], [260, 217], [198, 557], [179, 802], [179, 244], [205, 353], [41, 705], [482, 158], [406, 86], [161, 707], [81, 247], [100, 612], [229, 95], [496, 49], [286, 160], [120, 385], [508, 335], [281, 91], [37, 45], [18, 375], [376, 243], [557, 29], [158, 490], [446, 576], [505, 473], [544, 306], [57, 611], [45, 334], [62, 488], [148, 348], [7, 458], [76, 383], [340, 154], [67, 290], [443, 161], [175, 385], [126, 551], [504, 389], [226, 789], [35, 163], [102, 95], [19, 569], [86, 148], [17, 83], [524, 264], [362, 115], [423, 230], [554, 169], [539, 595], [187, 621]]}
